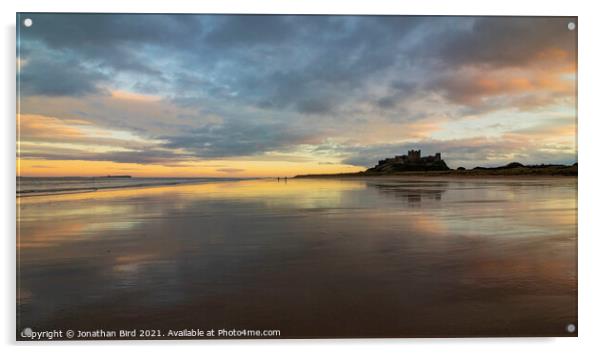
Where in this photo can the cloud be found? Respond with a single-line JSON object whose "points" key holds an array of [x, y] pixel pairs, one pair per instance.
{"points": [[397, 93], [561, 130], [249, 30], [51, 138], [238, 139], [114, 40], [523, 146], [151, 156], [62, 77], [202, 87], [110, 45], [505, 41], [37, 126], [485, 90], [230, 170]]}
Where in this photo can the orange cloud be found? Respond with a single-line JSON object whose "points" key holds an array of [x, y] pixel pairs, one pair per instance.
{"points": [[132, 96], [552, 54], [32, 126], [540, 85]]}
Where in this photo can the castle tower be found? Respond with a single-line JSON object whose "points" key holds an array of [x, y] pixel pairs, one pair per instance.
{"points": [[414, 155], [438, 156]]}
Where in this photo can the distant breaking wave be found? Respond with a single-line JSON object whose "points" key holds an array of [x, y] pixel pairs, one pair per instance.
{"points": [[40, 186]]}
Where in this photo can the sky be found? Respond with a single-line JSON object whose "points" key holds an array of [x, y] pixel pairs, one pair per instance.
{"points": [[253, 96]]}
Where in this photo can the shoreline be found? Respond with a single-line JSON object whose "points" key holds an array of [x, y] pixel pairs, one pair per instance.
{"points": [[81, 190], [485, 173], [437, 177]]}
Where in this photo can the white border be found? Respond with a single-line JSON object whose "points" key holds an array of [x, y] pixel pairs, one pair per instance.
{"points": [[590, 116]]}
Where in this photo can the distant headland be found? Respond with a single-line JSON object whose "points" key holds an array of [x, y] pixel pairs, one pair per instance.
{"points": [[414, 164]]}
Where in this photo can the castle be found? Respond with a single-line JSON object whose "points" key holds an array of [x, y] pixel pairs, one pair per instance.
{"points": [[411, 162]]}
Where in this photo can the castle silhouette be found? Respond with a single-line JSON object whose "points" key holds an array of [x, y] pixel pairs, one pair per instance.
{"points": [[411, 162]]}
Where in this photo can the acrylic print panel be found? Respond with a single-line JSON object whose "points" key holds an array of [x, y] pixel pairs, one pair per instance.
{"points": [[232, 176]]}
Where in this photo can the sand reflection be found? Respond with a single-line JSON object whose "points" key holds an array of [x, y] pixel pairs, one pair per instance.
{"points": [[356, 257]]}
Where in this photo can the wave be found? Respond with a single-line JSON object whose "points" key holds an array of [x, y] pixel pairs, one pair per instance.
{"points": [[41, 187]]}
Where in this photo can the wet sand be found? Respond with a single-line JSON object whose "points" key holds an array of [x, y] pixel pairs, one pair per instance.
{"points": [[393, 257]]}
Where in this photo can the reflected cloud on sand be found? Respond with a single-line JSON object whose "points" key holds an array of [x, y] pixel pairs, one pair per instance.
{"points": [[354, 256]]}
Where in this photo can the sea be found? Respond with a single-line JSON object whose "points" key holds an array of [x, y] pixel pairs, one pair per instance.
{"points": [[36, 186]]}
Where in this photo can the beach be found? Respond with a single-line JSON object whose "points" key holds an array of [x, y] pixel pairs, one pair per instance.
{"points": [[402, 256]]}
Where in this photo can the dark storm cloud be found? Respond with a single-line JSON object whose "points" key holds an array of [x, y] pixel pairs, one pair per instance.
{"points": [[399, 91], [111, 38], [59, 78], [341, 57], [319, 105], [250, 30], [237, 139], [308, 64], [290, 61], [504, 41], [147, 156], [58, 44]]}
